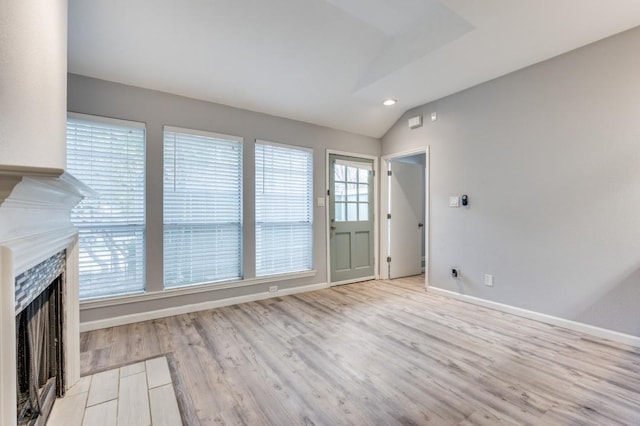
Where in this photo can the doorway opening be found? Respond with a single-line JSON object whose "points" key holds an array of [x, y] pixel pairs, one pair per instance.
{"points": [[405, 231]]}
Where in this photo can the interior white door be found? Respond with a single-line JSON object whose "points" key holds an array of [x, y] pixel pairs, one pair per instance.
{"points": [[406, 191]]}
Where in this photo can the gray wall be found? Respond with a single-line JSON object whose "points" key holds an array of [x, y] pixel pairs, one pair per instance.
{"points": [[550, 159], [98, 97]]}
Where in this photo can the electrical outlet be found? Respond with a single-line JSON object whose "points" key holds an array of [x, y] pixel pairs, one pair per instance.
{"points": [[273, 289], [455, 272], [488, 280]]}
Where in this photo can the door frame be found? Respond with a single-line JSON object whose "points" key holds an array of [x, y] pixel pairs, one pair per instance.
{"points": [[383, 270], [376, 242]]}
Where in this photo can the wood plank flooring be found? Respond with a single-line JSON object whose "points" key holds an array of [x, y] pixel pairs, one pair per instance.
{"points": [[380, 352]]}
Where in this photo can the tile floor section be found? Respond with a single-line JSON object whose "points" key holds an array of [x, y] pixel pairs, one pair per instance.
{"points": [[139, 394]]}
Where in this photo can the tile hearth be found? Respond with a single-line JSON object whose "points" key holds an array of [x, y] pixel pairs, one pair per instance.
{"points": [[137, 394]]}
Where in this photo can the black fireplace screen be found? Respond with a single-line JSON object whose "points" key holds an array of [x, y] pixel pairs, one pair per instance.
{"points": [[39, 353]]}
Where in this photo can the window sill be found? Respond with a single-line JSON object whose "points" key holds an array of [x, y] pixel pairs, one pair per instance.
{"points": [[191, 289]]}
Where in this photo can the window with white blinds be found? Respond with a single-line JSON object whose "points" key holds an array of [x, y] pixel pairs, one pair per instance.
{"points": [[202, 207], [109, 156], [284, 214]]}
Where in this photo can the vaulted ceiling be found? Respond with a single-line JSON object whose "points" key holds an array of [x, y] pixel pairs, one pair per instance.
{"points": [[329, 62]]}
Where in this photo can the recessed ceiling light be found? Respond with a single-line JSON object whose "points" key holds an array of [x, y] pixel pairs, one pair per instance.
{"points": [[389, 102]]}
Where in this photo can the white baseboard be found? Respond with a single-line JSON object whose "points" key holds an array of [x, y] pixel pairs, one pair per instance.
{"points": [[591, 330], [196, 307]]}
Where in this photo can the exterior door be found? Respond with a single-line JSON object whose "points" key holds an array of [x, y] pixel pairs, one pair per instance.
{"points": [[406, 191], [351, 219]]}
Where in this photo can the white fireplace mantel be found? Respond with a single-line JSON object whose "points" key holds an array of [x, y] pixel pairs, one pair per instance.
{"points": [[35, 205]]}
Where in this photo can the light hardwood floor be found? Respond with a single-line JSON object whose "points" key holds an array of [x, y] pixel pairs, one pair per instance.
{"points": [[380, 352]]}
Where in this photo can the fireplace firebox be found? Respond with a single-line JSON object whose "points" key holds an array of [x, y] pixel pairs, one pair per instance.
{"points": [[39, 340]]}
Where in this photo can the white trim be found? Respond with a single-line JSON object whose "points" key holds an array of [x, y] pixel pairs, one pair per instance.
{"points": [[427, 225], [34, 219], [407, 153], [106, 120], [284, 145], [8, 399], [34, 225], [384, 191], [353, 280], [376, 180], [196, 307], [356, 164], [352, 154], [203, 133], [10, 176], [72, 315], [591, 330], [327, 214], [31, 251], [186, 290]]}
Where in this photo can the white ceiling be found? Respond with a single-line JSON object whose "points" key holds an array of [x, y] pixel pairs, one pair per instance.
{"points": [[329, 62]]}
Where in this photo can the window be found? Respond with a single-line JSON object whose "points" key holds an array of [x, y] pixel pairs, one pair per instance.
{"points": [[202, 207], [351, 182], [109, 156], [284, 217]]}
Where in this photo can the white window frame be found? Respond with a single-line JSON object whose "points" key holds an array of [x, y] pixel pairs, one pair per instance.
{"points": [[212, 135], [310, 249], [137, 226]]}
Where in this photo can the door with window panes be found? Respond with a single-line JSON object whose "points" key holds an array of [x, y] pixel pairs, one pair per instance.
{"points": [[351, 218]]}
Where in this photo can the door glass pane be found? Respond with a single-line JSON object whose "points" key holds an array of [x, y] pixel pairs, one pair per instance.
{"points": [[352, 212], [339, 172], [340, 192], [352, 174], [363, 175], [340, 212], [363, 211], [363, 192], [352, 192]]}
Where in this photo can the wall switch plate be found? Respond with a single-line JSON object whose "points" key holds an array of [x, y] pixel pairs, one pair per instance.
{"points": [[434, 116], [454, 201], [320, 201], [488, 280], [273, 289]]}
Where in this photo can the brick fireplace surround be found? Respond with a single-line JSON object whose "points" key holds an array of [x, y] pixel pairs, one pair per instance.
{"points": [[34, 225]]}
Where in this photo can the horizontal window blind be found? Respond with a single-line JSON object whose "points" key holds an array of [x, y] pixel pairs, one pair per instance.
{"points": [[284, 214], [110, 158], [202, 207]]}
